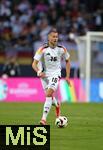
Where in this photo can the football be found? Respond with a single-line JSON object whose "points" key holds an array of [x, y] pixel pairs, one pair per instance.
{"points": [[61, 121]]}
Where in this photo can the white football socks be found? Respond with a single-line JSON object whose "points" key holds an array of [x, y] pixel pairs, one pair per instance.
{"points": [[47, 107]]}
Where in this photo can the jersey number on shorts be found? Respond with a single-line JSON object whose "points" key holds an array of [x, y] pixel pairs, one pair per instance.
{"points": [[54, 80]]}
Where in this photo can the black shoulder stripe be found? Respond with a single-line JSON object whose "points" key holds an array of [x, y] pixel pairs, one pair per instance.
{"points": [[45, 45], [60, 46]]}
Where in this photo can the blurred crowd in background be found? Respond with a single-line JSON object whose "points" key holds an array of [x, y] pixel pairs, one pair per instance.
{"points": [[24, 24]]}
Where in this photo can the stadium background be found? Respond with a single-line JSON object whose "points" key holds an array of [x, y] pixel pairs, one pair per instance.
{"points": [[24, 26]]}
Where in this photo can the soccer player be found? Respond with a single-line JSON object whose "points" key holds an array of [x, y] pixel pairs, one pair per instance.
{"points": [[50, 71]]}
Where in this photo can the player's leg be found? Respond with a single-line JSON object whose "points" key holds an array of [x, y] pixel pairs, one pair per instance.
{"points": [[44, 82], [47, 105], [55, 102], [57, 106], [50, 85]]}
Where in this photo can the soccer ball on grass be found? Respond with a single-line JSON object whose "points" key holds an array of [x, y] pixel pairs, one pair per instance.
{"points": [[61, 121]]}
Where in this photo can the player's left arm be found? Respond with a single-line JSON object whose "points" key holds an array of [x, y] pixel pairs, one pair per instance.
{"points": [[68, 68], [68, 71], [67, 59]]}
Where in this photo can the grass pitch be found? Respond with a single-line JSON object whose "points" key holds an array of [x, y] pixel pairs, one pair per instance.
{"points": [[84, 132]]}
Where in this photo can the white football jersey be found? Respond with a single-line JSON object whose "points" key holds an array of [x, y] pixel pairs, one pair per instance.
{"points": [[51, 59]]}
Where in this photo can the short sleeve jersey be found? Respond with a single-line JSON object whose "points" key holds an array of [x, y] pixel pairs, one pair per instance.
{"points": [[51, 58]]}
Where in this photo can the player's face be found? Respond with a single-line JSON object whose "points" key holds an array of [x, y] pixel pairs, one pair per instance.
{"points": [[53, 38]]}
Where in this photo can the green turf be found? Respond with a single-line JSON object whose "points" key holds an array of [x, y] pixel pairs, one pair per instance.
{"points": [[84, 132]]}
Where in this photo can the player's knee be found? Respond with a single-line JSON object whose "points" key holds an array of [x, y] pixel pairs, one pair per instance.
{"points": [[49, 93]]}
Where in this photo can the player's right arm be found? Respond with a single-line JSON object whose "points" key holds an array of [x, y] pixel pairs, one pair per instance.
{"points": [[37, 58], [35, 65]]}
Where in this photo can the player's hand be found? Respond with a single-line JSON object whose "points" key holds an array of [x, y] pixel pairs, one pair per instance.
{"points": [[68, 81], [42, 75]]}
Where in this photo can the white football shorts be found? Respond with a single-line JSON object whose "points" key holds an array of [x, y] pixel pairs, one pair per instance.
{"points": [[50, 82]]}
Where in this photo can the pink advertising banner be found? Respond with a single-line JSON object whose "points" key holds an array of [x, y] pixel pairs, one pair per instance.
{"points": [[30, 90], [21, 89]]}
